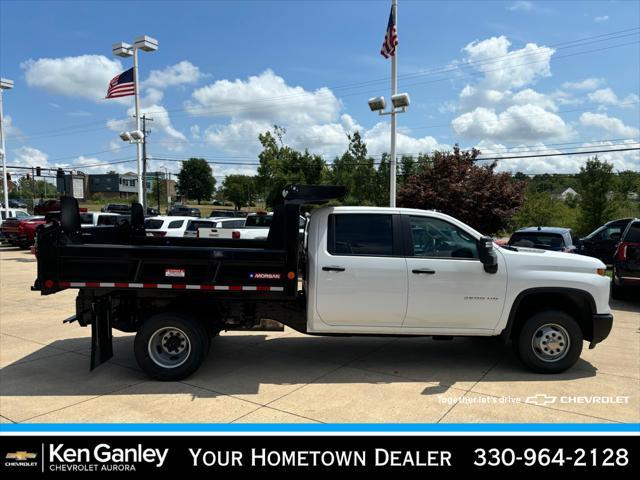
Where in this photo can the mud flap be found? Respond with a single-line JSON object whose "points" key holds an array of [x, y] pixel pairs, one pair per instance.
{"points": [[101, 337]]}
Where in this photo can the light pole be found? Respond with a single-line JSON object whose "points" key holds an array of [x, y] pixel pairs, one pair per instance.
{"points": [[5, 84], [400, 102], [146, 44]]}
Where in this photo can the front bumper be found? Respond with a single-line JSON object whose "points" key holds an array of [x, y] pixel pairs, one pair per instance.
{"points": [[601, 327]]}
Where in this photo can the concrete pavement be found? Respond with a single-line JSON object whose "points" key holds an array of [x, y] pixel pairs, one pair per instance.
{"points": [[288, 377]]}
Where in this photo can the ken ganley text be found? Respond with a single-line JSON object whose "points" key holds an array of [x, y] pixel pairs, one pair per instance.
{"points": [[262, 457]]}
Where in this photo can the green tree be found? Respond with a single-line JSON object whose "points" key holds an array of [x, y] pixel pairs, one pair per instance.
{"points": [[355, 170], [596, 181], [239, 189], [195, 180], [454, 183], [281, 165], [541, 209]]}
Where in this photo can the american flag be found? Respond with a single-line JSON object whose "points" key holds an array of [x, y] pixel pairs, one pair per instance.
{"points": [[391, 37], [122, 85]]}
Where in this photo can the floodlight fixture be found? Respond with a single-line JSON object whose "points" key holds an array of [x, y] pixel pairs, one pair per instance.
{"points": [[377, 104], [146, 43], [6, 84], [136, 135], [122, 49], [400, 100]]}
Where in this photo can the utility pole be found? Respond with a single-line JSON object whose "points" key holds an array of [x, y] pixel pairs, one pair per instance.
{"points": [[158, 189]]}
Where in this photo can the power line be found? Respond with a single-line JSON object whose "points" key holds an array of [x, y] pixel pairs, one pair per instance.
{"points": [[589, 152], [543, 155]]}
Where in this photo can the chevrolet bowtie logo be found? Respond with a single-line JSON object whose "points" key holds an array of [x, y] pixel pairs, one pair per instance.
{"points": [[541, 399], [21, 455]]}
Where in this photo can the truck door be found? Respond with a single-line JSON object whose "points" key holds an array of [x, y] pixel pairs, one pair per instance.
{"points": [[448, 287], [361, 273]]}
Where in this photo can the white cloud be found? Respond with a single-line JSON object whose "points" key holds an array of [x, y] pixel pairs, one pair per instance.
{"points": [[518, 122], [520, 6], [264, 97], [472, 97], [629, 160], [195, 132], [85, 76], [606, 96], [237, 137], [504, 69], [600, 19], [173, 139], [565, 98], [10, 130], [586, 84], [377, 139], [180, 73], [30, 157], [610, 124]]}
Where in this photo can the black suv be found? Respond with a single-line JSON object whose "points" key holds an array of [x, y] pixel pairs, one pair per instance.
{"points": [[626, 261], [601, 243], [184, 211]]}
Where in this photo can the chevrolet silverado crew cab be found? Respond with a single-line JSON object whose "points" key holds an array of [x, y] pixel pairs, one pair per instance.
{"points": [[359, 271]]}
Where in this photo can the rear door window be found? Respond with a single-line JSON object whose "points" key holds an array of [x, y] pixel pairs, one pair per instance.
{"points": [[153, 224], [176, 224], [545, 241], [633, 235], [263, 221], [360, 234], [195, 225]]}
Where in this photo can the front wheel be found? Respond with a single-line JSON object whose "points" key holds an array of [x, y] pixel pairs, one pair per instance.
{"points": [[171, 346], [549, 342]]}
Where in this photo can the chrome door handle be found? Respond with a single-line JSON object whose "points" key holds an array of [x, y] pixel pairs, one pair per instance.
{"points": [[426, 271], [333, 268]]}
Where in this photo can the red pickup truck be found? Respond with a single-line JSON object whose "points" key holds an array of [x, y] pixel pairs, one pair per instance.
{"points": [[49, 206], [21, 233]]}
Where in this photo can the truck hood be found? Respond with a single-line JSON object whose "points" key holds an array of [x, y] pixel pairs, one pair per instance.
{"points": [[537, 259]]}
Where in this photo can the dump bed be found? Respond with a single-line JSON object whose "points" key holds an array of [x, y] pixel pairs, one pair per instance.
{"points": [[123, 257]]}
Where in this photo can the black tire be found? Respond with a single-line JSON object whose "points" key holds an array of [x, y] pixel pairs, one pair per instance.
{"points": [[553, 322], [191, 336]]}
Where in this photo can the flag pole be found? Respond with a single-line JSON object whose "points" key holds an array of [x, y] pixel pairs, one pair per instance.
{"points": [[141, 199], [394, 90]]}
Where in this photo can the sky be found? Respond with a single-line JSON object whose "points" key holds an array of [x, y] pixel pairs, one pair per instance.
{"points": [[508, 77]]}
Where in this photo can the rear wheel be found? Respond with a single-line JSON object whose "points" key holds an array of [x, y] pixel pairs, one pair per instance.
{"points": [[549, 342], [171, 346]]}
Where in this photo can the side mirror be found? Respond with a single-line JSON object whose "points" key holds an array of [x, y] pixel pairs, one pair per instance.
{"points": [[488, 256]]}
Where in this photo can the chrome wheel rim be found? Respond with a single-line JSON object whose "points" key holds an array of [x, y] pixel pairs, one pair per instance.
{"points": [[169, 347], [551, 342]]}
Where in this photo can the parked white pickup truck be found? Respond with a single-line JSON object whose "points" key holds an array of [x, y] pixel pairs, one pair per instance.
{"points": [[364, 271], [257, 226]]}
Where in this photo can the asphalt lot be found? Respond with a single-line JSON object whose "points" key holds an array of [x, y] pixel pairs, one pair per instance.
{"points": [[288, 377]]}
